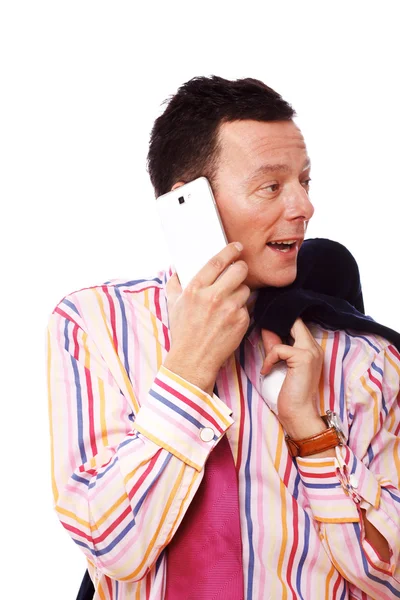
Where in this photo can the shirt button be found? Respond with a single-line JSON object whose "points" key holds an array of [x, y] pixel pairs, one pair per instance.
{"points": [[207, 434], [353, 481]]}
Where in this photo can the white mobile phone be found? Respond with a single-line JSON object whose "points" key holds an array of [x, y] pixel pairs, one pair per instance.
{"points": [[192, 226]]}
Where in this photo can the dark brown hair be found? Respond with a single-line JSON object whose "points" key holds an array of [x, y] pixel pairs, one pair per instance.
{"points": [[184, 141]]}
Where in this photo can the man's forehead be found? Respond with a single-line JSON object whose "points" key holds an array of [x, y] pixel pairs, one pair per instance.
{"points": [[280, 167], [262, 148], [257, 137]]}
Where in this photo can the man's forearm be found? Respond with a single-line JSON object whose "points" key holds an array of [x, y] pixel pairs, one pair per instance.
{"points": [[305, 427]]}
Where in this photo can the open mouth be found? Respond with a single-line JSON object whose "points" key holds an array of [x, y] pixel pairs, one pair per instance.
{"points": [[284, 247]]}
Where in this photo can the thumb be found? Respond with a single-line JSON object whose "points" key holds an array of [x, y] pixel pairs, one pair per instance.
{"points": [[270, 339], [173, 290]]}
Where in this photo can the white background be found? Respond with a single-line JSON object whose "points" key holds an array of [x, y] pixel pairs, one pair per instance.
{"points": [[81, 84]]}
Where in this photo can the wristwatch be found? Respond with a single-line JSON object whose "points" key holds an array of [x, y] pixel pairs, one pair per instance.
{"points": [[330, 438]]}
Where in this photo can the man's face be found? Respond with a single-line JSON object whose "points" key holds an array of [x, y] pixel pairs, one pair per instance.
{"points": [[262, 197]]}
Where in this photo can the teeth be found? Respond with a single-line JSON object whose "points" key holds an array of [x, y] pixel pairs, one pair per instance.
{"points": [[285, 242]]}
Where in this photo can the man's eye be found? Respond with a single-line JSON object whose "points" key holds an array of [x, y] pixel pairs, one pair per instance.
{"points": [[269, 187], [306, 183]]}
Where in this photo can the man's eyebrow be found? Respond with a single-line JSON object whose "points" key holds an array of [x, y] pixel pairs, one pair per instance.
{"points": [[273, 168]]}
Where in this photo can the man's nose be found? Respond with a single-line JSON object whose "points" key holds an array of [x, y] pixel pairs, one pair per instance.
{"points": [[299, 205]]}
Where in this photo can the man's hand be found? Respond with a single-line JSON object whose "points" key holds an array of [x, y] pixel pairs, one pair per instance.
{"points": [[208, 319], [297, 401]]}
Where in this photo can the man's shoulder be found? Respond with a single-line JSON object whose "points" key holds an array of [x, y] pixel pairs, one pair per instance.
{"points": [[118, 289], [134, 285], [351, 343], [358, 356]]}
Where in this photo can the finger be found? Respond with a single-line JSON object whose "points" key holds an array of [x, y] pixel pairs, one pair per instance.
{"points": [[218, 264], [301, 334], [241, 295], [277, 353], [270, 339], [304, 340]]}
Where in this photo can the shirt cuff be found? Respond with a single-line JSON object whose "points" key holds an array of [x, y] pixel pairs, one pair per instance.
{"points": [[337, 486], [182, 418], [363, 486]]}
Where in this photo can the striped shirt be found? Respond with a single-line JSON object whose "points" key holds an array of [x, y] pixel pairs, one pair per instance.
{"points": [[127, 456]]}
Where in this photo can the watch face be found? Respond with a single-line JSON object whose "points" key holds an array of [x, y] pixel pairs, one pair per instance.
{"points": [[335, 421]]}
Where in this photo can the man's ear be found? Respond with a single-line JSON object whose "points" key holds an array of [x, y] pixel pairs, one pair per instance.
{"points": [[178, 184]]}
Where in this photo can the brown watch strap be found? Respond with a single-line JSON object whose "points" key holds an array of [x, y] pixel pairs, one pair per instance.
{"points": [[313, 445]]}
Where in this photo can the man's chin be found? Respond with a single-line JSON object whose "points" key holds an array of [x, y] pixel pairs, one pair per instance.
{"points": [[277, 280]]}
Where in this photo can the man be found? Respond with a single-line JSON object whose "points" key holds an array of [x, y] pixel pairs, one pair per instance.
{"points": [[133, 365]]}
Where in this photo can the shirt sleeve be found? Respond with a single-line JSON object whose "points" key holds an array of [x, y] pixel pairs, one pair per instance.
{"points": [[365, 474], [123, 471]]}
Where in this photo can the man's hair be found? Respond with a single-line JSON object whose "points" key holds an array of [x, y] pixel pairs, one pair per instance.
{"points": [[184, 141]]}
